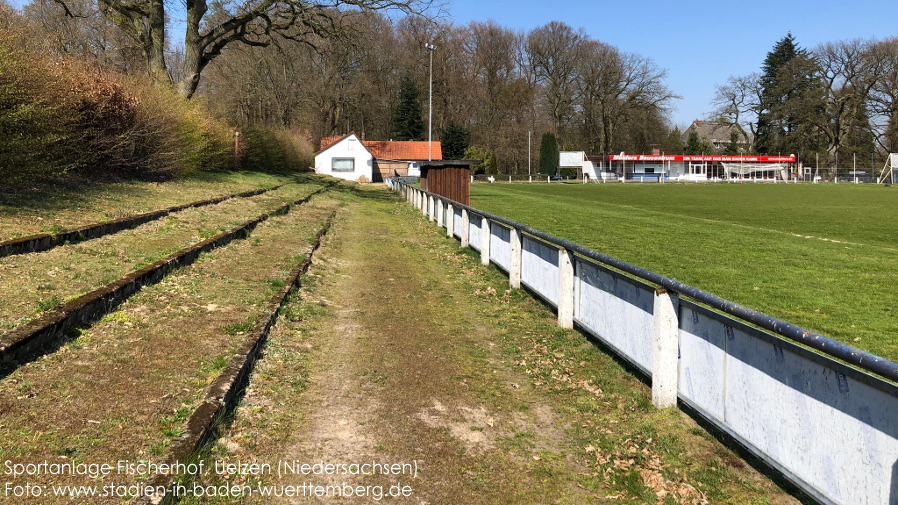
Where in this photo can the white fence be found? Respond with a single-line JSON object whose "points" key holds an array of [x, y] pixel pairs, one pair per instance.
{"points": [[830, 428]]}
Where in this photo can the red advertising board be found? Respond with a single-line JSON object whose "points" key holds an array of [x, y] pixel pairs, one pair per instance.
{"points": [[729, 159]]}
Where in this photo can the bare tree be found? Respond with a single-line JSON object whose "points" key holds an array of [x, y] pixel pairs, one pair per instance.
{"points": [[616, 90], [80, 30], [737, 102], [554, 53], [884, 94], [848, 73], [209, 28]]}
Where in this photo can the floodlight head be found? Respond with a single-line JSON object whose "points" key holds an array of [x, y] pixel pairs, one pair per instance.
{"points": [[429, 46]]}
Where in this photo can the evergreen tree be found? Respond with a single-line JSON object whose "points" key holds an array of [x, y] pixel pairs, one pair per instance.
{"points": [[408, 122], [783, 52], [548, 155], [674, 142], [697, 145], [732, 147], [791, 101], [487, 159], [455, 140]]}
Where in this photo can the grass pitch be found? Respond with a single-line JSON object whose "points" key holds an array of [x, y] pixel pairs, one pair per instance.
{"points": [[824, 257]]}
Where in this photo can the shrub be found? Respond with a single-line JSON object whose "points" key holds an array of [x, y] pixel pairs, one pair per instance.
{"points": [[65, 116], [58, 117], [279, 150], [36, 120], [548, 155]]}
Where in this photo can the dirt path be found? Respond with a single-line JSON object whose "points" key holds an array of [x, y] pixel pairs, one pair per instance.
{"points": [[404, 350]]}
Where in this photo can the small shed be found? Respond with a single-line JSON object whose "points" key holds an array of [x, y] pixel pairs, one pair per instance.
{"points": [[448, 178]]}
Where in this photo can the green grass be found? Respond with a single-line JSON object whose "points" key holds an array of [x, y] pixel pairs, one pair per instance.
{"points": [[823, 257]]}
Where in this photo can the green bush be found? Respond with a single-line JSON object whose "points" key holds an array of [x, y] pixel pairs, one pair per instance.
{"points": [[548, 155], [569, 172], [36, 125]]}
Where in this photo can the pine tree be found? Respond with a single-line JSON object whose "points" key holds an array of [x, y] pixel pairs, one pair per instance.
{"points": [[732, 147], [769, 128], [455, 140], [791, 100], [548, 155], [408, 122], [674, 142], [696, 145]]}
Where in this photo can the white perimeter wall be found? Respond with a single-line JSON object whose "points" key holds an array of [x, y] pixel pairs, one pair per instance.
{"points": [[830, 428]]}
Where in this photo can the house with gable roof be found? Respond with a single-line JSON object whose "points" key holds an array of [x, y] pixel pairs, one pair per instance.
{"points": [[387, 158], [718, 135], [345, 157]]}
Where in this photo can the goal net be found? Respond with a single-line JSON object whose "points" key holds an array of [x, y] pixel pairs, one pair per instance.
{"points": [[748, 170], [890, 170], [893, 159]]}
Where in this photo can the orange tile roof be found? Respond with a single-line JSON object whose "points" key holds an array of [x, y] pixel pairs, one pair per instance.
{"points": [[331, 140], [391, 150], [403, 150]]}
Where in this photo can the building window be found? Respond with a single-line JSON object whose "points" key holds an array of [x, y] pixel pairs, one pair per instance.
{"points": [[343, 164]]}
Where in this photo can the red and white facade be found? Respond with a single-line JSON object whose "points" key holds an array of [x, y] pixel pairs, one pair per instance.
{"points": [[700, 167]]}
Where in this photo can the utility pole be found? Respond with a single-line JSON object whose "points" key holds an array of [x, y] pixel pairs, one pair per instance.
{"points": [[430, 48], [529, 155]]}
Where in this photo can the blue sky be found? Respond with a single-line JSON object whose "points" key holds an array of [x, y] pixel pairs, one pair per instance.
{"points": [[700, 44]]}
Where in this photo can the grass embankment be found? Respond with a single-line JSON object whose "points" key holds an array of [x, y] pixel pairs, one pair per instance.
{"points": [[123, 389], [403, 348], [39, 282], [61, 116], [819, 256], [50, 208]]}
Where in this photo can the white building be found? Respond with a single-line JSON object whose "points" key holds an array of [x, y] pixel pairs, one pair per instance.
{"points": [[699, 168], [347, 158]]}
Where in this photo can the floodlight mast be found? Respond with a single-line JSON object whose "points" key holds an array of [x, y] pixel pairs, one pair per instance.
{"points": [[430, 49]]}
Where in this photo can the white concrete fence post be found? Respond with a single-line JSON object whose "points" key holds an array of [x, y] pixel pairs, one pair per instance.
{"points": [[465, 228], [450, 221], [431, 208], [485, 241], [514, 269], [666, 349], [565, 289], [439, 212], [424, 198]]}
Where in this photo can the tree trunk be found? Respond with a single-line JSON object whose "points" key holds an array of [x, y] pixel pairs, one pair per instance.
{"points": [[193, 50], [154, 42]]}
